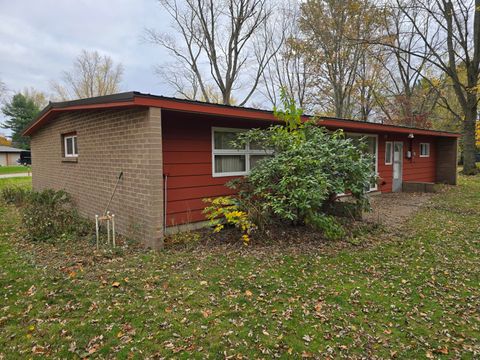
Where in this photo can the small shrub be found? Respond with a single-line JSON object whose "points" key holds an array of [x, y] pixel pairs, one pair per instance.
{"points": [[226, 210], [15, 195], [49, 215]]}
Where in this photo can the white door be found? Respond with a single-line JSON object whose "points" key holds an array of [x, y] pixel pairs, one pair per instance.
{"points": [[397, 165]]}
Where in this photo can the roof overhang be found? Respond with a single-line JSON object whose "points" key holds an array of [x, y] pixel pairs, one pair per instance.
{"points": [[136, 99]]}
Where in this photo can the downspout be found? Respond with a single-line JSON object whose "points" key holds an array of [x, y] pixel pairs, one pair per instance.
{"points": [[165, 192]]}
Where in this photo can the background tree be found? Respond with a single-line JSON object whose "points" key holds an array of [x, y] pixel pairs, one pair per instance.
{"points": [[20, 111], [450, 30], [5, 141], [92, 75], [289, 70], [224, 44], [331, 29], [403, 101], [38, 97]]}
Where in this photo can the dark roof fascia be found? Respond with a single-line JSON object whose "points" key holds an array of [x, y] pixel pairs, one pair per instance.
{"points": [[388, 125], [131, 95]]}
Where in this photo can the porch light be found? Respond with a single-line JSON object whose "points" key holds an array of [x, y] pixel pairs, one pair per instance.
{"points": [[411, 136]]}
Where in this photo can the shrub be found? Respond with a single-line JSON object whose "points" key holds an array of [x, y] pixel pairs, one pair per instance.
{"points": [[226, 210], [49, 215], [15, 195], [309, 168]]}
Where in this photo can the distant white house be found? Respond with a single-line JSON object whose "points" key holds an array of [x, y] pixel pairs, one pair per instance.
{"points": [[9, 155]]}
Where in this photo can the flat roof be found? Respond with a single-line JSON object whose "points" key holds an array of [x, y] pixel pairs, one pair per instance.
{"points": [[138, 99], [10, 149]]}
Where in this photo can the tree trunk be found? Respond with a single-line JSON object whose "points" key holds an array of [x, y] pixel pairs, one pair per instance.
{"points": [[469, 147]]}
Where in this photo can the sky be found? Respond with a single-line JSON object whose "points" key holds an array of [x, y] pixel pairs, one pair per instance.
{"points": [[41, 38]]}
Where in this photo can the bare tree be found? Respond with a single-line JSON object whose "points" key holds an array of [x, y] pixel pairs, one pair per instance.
{"points": [[218, 47], [369, 83], [38, 97], [450, 30], [288, 69], [330, 28], [92, 75], [401, 100]]}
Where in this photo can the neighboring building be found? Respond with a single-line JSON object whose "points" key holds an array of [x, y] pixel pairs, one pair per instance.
{"points": [[174, 153], [9, 155]]}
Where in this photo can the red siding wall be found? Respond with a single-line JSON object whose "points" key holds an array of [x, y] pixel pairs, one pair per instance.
{"points": [[187, 162], [187, 158], [416, 169]]}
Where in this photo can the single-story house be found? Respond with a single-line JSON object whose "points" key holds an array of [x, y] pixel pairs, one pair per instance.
{"points": [[174, 153], [9, 155]]}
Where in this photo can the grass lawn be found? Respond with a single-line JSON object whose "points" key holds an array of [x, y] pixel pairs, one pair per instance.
{"points": [[411, 295], [14, 169]]}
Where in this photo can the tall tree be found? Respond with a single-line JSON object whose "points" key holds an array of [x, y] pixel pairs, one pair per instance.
{"points": [[92, 75], [38, 97], [20, 111], [450, 29], [288, 71], [330, 29], [224, 44]]}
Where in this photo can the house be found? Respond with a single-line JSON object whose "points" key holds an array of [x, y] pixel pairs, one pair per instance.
{"points": [[9, 155], [174, 153]]}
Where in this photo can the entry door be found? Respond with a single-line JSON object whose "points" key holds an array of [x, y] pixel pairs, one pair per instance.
{"points": [[397, 165]]}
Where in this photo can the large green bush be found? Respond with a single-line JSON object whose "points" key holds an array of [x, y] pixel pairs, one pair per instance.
{"points": [[310, 167]]}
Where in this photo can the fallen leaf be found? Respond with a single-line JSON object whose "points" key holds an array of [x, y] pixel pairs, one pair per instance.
{"points": [[32, 290]]}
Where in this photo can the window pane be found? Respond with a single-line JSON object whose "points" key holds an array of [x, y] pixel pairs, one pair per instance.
{"points": [[75, 145], [69, 149], [229, 163], [255, 158], [223, 140], [424, 149], [388, 153]]}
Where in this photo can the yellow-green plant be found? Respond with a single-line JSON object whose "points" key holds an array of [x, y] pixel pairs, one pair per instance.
{"points": [[225, 210]]}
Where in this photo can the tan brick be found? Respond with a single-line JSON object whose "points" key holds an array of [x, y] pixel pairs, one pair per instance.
{"points": [[109, 141]]}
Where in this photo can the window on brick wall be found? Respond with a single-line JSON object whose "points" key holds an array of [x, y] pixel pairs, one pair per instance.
{"points": [[70, 148]]}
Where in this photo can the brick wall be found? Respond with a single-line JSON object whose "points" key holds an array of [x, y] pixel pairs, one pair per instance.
{"points": [[109, 141]]}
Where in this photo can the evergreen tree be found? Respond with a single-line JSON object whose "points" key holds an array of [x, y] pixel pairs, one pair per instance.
{"points": [[20, 111]]}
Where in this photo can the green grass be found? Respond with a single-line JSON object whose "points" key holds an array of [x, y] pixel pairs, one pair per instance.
{"points": [[407, 297], [14, 169], [16, 181]]}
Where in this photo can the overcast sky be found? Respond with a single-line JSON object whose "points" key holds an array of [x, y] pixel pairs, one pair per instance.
{"points": [[40, 38]]}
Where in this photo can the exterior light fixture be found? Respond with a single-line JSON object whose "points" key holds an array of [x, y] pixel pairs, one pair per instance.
{"points": [[410, 150]]}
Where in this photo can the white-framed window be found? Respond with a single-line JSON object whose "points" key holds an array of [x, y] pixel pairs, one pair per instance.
{"points": [[424, 149], [70, 148], [388, 153], [228, 161]]}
